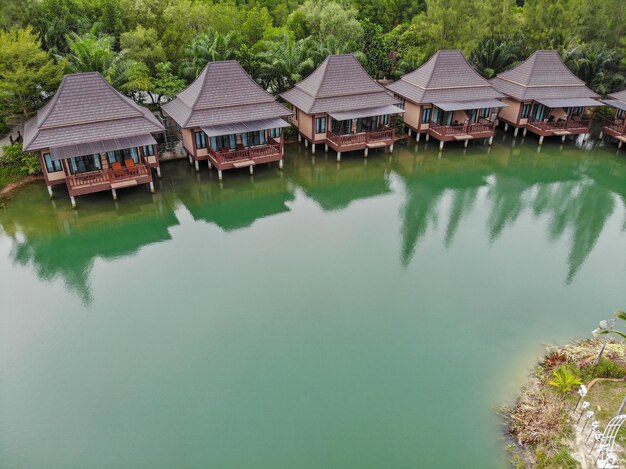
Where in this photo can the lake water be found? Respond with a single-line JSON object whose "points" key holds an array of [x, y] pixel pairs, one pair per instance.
{"points": [[369, 314]]}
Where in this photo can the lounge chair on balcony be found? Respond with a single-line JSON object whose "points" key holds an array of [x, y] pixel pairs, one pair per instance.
{"points": [[130, 164]]}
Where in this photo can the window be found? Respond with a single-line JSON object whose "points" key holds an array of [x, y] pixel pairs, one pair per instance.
{"points": [[620, 114], [320, 125], [485, 113], [384, 120], [120, 156], [52, 166], [342, 127], [200, 139], [526, 110], [85, 163], [148, 150], [426, 115], [401, 102], [221, 142], [472, 116], [275, 133], [251, 139], [539, 112]]}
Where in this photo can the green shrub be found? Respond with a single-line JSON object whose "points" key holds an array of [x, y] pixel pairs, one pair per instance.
{"points": [[14, 156], [564, 379], [604, 369]]}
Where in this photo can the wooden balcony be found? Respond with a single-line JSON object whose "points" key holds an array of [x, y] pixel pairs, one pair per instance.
{"points": [[445, 133], [104, 180], [228, 159], [370, 139], [573, 126], [615, 128]]}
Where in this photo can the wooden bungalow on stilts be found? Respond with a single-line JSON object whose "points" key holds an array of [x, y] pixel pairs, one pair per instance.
{"points": [[344, 108], [446, 99], [225, 118], [545, 97], [616, 127], [92, 138]]}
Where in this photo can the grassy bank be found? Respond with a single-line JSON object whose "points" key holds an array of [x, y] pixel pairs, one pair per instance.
{"points": [[15, 165], [543, 420]]}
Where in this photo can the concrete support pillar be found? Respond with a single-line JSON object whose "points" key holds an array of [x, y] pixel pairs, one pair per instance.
{"points": [[417, 137], [326, 147], [365, 153], [619, 145], [515, 131], [306, 143], [299, 138], [219, 174], [209, 164], [73, 201], [391, 148], [152, 187], [50, 194], [541, 140], [524, 132], [427, 137], [251, 169], [409, 132], [490, 140], [441, 145], [466, 142], [197, 165], [601, 135], [158, 171], [190, 160], [280, 164], [338, 156], [506, 127], [563, 139], [313, 148], [114, 193]]}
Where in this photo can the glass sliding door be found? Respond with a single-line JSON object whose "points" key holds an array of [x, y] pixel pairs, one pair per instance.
{"points": [[85, 164], [342, 127]]}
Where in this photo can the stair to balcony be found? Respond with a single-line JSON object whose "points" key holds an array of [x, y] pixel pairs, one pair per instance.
{"points": [[242, 163]]}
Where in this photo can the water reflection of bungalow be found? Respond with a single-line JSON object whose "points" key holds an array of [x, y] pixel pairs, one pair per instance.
{"points": [[545, 97], [446, 99], [344, 108], [616, 126], [60, 244], [334, 187], [225, 118], [240, 206], [92, 138]]}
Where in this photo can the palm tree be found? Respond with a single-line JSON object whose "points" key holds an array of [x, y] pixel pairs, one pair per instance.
{"points": [[286, 62], [493, 56], [209, 47], [596, 66], [89, 52]]}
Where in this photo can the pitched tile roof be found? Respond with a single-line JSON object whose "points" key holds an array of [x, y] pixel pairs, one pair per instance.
{"points": [[86, 108], [223, 93], [542, 75], [620, 96], [447, 76], [340, 83]]}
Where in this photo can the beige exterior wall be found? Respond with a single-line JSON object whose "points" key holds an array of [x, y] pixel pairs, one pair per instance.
{"points": [[412, 114], [511, 111], [188, 140], [305, 124], [55, 176]]}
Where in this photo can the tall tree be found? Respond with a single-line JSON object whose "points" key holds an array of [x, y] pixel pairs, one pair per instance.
{"points": [[493, 56], [208, 47], [27, 73], [285, 63]]}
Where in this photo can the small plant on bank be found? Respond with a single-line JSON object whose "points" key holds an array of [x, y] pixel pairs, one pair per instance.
{"points": [[564, 380]]}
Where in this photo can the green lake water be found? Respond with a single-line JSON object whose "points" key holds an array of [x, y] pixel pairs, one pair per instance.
{"points": [[363, 315]]}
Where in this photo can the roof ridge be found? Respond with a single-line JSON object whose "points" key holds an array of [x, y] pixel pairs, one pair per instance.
{"points": [[205, 70]]}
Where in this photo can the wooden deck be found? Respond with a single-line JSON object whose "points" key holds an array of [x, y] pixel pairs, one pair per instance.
{"points": [[573, 126], [360, 141], [229, 159], [446, 133], [615, 128], [104, 180]]}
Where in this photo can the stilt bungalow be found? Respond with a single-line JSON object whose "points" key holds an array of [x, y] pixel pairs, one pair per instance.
{"points": [[446, 99], [545, 97], [344, 108], [225, 118], [92, 138], [616, 127]]}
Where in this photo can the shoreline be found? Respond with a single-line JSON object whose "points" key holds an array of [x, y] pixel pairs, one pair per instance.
{"points": [[8, 190]]}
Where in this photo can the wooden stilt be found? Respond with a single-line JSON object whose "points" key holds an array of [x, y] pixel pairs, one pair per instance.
{"points": [[366, 152], [417, 138], [326, 147], [313, 148], [158, 171], [441, 145], [251, 169], [490, 140], [515, 131], [391, 148], [114, 193], [524, 132], [219, 174], [209, 164], [541, 140], [427, 137], [280, 164], [409, 132], [338, 156], [151, 187], [197, 165], [50, 194], [506, 127]]}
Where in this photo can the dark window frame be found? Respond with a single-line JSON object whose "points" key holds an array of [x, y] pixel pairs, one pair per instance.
{"points": [[200, 139], [52, 166]]}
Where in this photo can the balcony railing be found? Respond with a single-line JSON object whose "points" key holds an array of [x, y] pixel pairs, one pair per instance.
{"points": [[574, 123], [369, 136], [250, 153], [482, 126], [107, 176], [616, 125]]}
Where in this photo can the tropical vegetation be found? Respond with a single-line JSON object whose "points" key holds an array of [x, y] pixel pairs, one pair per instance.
{"points": [[151, 49]]}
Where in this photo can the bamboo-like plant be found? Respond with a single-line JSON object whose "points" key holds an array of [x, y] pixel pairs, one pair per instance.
{"points": [[564, 380]]}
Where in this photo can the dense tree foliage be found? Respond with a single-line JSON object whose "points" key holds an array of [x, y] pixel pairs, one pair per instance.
{"points": [[152, 48]]}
